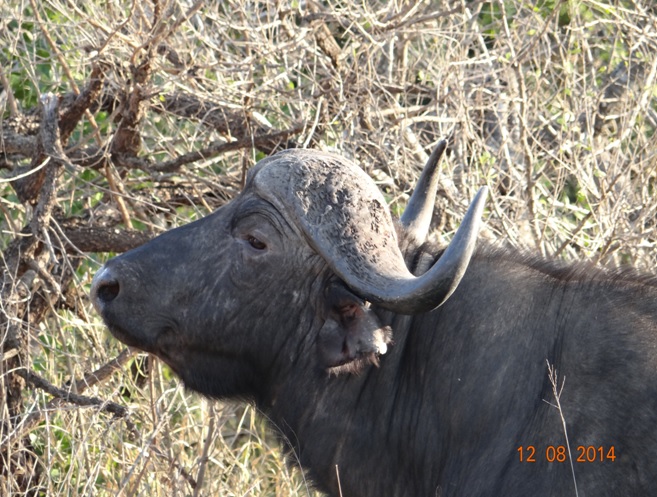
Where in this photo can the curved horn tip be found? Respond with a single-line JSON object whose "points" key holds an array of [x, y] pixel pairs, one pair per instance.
{"points": [[466, 235], [444, 277], [433, 160], [416, 218], [479, 201], [439, 149], [458, 253]]}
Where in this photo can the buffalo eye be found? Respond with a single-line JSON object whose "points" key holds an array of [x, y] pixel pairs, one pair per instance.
{"points": [[255, 243]]}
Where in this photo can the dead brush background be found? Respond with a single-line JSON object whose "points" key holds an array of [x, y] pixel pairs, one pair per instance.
{"points": [[122, 119]]}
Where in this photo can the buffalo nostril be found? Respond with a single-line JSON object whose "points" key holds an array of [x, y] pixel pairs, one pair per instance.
{"points": [[104, 288], [107, 290]]}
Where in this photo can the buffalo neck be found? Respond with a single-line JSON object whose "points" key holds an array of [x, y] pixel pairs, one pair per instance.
{"points": [[426, 406], [335, 425]]}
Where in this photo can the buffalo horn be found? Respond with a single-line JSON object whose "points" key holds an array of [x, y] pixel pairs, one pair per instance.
{"points": [[342, 214], [416, 218]]}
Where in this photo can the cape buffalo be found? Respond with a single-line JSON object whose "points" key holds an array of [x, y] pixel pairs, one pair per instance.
{"points": [[412, 370]]}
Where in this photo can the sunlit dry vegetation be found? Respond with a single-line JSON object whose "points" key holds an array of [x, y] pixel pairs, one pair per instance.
{"points": [[119, 120]]}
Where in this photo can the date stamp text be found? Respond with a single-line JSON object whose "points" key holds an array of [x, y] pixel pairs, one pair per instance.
{"points": [[559, 453]]}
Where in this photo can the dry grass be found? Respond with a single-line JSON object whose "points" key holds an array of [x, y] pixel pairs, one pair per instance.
{"points": [[553, 107]]}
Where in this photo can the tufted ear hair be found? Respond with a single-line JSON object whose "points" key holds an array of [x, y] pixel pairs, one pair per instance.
{"points": [[352, 336]]}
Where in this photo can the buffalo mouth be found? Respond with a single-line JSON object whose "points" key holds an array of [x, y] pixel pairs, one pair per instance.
{"points": [[144, 344], [128, 338], [134, 333]]}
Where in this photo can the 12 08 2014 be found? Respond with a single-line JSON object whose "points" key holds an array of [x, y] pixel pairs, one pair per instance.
{"points": [[559, 453]]}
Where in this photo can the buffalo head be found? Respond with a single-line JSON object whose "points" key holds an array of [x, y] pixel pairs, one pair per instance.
{"points": [[295, 266]]}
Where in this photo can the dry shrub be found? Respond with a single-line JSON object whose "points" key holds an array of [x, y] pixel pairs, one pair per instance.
{"points": [[163, 105]]}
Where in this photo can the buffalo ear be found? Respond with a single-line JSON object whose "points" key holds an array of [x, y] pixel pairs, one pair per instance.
{"points": [[352, 335]]}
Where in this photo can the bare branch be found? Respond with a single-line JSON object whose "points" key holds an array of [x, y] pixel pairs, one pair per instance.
{"points": [[73, 398], [99, 239]]}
